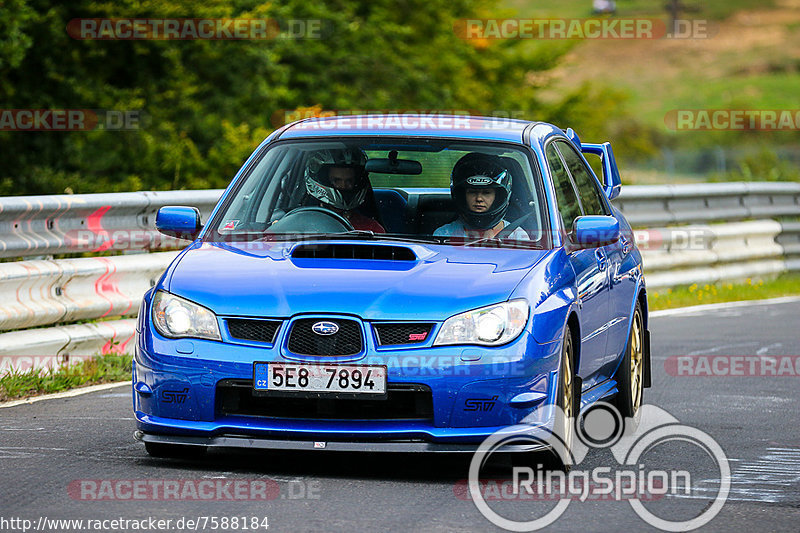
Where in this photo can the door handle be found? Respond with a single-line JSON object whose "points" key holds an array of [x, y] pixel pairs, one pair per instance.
{"points": [[602, 260], [626, 245]]}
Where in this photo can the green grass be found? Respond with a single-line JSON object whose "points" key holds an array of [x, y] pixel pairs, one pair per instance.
{"points": [[93, 371], [785, 285], [657, 77], [761, 91]]}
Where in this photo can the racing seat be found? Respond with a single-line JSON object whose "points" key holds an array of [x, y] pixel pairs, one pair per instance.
{"points": [[392, 205], [434, 210]]}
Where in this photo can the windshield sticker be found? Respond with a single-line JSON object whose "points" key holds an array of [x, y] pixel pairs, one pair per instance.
{"points": [[229, 225]]}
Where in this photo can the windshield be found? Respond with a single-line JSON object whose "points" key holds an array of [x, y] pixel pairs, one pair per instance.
{"points": [[446, 191]]}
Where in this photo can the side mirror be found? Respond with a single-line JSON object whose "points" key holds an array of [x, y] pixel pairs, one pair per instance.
{"points": [[179, 221], [593, 231], [613, 183]]}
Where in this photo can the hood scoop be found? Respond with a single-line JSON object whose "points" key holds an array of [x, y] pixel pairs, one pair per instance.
{"points": [[363, 252]]}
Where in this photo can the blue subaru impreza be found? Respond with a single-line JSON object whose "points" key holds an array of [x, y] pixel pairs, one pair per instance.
{"points": [[394, 283]]}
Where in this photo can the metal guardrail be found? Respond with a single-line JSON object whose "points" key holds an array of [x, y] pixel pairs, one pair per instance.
{"points": [[63, 224], [665, 205], [37, 293], [50, 347], [44, 292], [789, 239], [704, 254], [50, 225]]}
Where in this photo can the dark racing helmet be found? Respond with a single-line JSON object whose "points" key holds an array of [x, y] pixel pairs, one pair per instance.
{"points": [[320, 186], [477, 171]]}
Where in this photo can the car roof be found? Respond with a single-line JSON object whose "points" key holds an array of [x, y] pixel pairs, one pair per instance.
{"points": [[407, 125]]}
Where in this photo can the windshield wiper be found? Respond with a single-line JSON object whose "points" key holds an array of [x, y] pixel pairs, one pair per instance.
{"points": [[399, 237], [352, 234], [506, 243]]}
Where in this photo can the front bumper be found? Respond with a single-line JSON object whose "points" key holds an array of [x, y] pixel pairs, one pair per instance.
{"points": [[474, 392]]}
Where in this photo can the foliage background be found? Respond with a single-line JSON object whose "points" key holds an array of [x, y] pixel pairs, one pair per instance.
{"points": [[207, 103]]}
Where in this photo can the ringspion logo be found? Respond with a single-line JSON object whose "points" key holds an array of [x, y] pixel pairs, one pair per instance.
{"points": [[630, 480]]}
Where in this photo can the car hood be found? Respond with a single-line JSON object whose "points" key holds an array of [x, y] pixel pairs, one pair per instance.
{"points": [[240, 279]]}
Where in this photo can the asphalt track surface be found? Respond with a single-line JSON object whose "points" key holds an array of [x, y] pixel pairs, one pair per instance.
{"points": [[49, 447]]}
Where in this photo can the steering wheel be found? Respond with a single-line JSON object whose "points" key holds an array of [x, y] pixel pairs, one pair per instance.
{"points": [[311, 219], [505, 232]]}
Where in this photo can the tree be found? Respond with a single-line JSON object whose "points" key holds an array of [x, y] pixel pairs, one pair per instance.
{"points": [[207, 103]]}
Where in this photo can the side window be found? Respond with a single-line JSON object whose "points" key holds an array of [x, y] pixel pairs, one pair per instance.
{"points": [[586, 184], [568, 205]]}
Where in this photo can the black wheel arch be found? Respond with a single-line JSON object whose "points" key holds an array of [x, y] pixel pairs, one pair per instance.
{"points": [[647, 381]]}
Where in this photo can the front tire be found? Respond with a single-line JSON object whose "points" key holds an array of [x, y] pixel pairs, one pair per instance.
{"points": [[630, 374], [568, 403]]}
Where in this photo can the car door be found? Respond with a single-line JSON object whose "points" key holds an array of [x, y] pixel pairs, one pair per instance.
{"points": [[620, 295], [591, 273]]}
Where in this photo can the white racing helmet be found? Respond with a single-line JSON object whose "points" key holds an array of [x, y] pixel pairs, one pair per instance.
{"points": [[318, 183]]}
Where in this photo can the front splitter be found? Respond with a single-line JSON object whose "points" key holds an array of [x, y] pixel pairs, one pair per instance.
{"points": [[397, 446]]}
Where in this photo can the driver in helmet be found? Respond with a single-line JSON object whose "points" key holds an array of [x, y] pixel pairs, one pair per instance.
{"points": [[480, 186], [342, 187]]}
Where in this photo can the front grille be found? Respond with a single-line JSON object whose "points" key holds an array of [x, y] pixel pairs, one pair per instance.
{"points": [[394, 334], [402, 402], [304, 341], [253, 329]]}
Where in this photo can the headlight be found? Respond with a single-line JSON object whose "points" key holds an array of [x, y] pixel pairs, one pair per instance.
{"points": [[492, 325], [175, 317]]}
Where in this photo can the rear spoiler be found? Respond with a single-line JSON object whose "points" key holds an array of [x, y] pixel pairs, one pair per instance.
{"points": [[612, 182]]}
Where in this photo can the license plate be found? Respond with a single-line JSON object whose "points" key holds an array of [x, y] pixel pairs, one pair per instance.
{"points": [[319, 380]]}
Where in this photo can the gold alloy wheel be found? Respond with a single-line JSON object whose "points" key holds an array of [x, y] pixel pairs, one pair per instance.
{"points": [[637, 358], [568, 396]]}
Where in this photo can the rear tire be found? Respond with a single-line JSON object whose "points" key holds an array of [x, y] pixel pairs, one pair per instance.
{"points": [[174, 451], [630, 374]]}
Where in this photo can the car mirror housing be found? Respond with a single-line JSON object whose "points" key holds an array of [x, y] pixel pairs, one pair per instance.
{"points": [[612, 183], [179, 221], [593, 231]]}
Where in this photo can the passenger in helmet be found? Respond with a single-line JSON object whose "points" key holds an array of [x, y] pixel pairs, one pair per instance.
{"points": [[342, 186], [480, 186]]}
